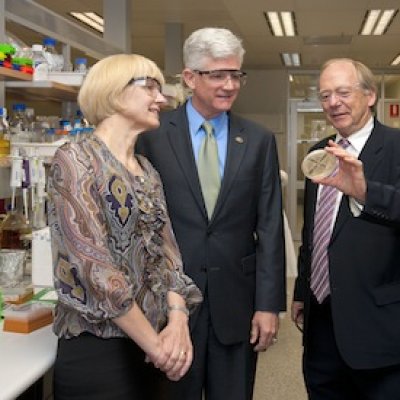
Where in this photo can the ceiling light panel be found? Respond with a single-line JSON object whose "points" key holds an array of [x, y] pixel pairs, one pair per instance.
{"points": [[281, 23], [396, 61], [291, 59], [384, 21], [376, 22], [91, 19], [288, 23]]}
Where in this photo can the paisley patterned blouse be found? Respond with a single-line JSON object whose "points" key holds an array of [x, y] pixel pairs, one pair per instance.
{"points": [[112, 242]]}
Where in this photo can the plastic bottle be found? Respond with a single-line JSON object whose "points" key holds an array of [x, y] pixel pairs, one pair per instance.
{"points": [[40, 64], [19, 126], [64, 130], [55, 60], [4, 133], [80, 65], [50, 135]]}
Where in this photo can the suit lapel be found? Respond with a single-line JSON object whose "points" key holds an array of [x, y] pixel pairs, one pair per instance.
{"points": [[371, 155], [237, 144], [179, 137]]}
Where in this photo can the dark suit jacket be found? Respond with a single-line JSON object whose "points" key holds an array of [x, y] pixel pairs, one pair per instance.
{"points": [[364, 259], [239, 254]]}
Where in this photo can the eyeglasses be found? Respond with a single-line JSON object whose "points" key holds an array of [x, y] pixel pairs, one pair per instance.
{"points": [[221, 76], [152, 85], [341, 93]]}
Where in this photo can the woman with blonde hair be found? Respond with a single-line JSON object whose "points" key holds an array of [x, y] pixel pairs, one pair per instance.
{"points": [[122, 296]]}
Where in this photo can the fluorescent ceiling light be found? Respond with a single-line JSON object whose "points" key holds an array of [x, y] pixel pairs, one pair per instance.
{"points": [[291, 59], [376, 22], [91, 19], [275, 24], [396, 61], [370, 21], [383, 23], [282, 23], [288, 23]]}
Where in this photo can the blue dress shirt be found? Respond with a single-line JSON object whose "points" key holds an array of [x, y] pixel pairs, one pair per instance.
{"points": [[220, 125]]}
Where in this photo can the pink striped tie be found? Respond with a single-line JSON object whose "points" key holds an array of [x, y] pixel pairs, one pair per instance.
{"points": [[321, 237]]}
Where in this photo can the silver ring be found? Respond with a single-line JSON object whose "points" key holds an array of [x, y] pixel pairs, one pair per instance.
{"points": [[182, 353]]}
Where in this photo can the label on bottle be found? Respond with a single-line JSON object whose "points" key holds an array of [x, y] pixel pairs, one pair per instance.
{"points": [[41, 71]]}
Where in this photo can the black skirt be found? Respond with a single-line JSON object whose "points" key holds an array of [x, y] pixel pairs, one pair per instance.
{"points": [[92, 368]]}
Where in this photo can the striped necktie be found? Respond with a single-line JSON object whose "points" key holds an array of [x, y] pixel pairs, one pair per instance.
{"points": [[323, 221], [208, 168]]}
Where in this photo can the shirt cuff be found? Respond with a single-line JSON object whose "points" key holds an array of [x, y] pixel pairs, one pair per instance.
{"points": [[356, 208]]}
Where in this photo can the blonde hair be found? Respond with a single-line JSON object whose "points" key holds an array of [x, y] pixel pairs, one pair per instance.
{"points": [[100, 93]]}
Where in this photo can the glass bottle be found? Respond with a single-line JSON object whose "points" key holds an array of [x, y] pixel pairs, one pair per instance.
{"points": [[80, 65], [55, 60], [19, 125], [4, 133]]}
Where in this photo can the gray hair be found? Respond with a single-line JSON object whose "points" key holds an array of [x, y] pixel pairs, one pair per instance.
{"points": [[212, 43]]}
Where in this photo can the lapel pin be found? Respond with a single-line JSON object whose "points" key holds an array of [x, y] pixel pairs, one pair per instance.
{"points": [[239, 139]]}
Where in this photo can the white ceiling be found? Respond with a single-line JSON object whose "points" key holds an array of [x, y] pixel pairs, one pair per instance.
{"points": [[322, 21]]}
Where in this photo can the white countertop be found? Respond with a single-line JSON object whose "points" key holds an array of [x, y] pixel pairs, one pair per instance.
{"points": [[24, 358]]}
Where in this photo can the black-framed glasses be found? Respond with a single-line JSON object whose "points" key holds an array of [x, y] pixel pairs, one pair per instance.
{"points": [[151, 84], [221, 76]]}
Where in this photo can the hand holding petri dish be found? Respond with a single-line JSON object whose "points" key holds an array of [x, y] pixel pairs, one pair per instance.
{"points": [[318, 164]]}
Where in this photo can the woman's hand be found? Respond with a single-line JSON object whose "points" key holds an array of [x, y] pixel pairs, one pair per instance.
{"points": [[175, 338], [177, 345]]}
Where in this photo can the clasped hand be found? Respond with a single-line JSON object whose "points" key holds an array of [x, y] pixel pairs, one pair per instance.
{"points": [[175, 354]]}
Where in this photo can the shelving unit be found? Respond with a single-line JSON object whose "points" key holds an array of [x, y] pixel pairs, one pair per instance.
{"points": [[43, 90], [7, 74], [23, 84]]}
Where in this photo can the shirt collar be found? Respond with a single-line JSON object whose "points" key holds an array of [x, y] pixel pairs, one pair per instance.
{"points": [[359, 138], [196, 120]]}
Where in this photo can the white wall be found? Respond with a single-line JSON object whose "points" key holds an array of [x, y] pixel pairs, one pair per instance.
{"points": [[264, 100]]}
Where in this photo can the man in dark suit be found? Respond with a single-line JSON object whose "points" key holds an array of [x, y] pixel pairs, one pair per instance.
{"points": [[352, 331], [232, 246]]}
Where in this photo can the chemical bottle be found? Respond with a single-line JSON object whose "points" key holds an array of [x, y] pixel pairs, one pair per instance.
{"points": [[80, 65], [4, 133], [55, 60], [50, 135], [40, 64], [19, 125]]}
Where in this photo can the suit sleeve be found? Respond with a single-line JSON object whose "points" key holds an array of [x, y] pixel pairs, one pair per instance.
{"points": [[383, 202], [270, 275]]}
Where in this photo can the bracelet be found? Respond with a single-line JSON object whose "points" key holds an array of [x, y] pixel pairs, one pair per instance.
{"points": [[175, 307]]}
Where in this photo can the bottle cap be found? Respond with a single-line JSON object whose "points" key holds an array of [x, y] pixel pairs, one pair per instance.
{"points": [[19, 107], [318, 164], [81, 61], [49, 41]]}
